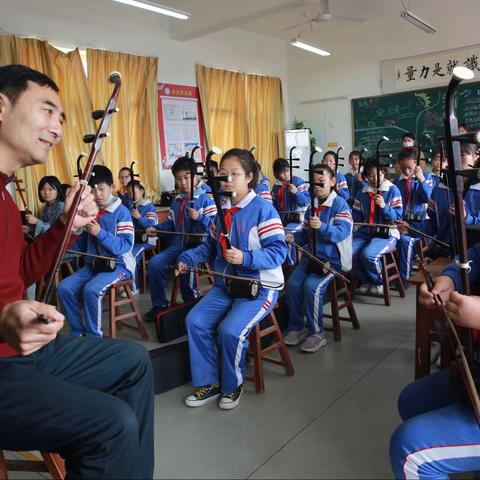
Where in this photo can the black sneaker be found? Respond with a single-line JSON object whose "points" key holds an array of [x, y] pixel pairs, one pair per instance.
{"points": [[203, 395], [230, 400], [151, 315]]}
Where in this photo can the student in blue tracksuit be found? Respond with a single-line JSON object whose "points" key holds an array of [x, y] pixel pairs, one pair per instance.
{"points": [[181, 218], [439, 435], [354, 176], [220, 323], [437, 166], [368, 250], [263, 187], [440, 206], [416, 188], [291, 198], [144, 215], [330, 159], [331, 223], [124, 178], [110, 235]]}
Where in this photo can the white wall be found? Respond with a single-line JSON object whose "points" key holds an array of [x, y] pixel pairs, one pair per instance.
{"points": [[353, 70], [95, 24]]}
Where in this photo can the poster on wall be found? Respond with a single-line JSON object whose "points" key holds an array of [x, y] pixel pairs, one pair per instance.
{"points": [[179, 121]]}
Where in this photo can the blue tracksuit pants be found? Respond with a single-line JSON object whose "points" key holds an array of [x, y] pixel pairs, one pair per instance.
{"points": [[89, 399], [292, 251], [221, 323], [367, 257], [439, 435], [160, 267], [407, 247], [305, 294], [92, 286]]}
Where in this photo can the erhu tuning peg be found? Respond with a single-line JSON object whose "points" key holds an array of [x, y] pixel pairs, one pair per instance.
{"points": [[90, 138], [97, 114]]}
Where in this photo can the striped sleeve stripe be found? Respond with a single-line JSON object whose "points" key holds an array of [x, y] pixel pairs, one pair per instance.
{"points": [[342, 185], [210, 211], [344, 216], [302, 187], [266, 196], [269, 223]]}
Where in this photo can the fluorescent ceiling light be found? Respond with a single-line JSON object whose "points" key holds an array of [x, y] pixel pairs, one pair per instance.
{"points": [[417, 21], [153, 7], [310, 48]]}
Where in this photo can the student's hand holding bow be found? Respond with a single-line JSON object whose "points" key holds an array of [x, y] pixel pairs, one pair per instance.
{"points": [[192, 214], [315, 222], [234, 255], [380, 201]]}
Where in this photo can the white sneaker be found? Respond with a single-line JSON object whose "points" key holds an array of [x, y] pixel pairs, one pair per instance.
{"points": [[123, 293], [363, 289], [230, 400], [313, 343], [295, 337], [376, 289]]}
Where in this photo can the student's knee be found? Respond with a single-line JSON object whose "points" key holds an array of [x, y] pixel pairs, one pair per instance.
{"points": [[228, 334], [194, 322]]}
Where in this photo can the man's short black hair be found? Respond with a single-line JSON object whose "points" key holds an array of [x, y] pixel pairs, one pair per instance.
{"points": [[409, 135], [14, 80], [101, 174]]}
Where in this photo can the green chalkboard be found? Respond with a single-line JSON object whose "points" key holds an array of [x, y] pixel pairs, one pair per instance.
{"points": [[418, 112]]}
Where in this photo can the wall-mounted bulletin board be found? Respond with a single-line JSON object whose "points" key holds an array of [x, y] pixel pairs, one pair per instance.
{"points": [[418, 112], [179, 121]]}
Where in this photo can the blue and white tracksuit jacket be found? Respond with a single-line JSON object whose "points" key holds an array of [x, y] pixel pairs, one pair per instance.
{"points": [[414, 201], [354, 185], [263, 190], [114, 240], [148, 219], [49, 215], [436, 179], [126, 200], [439, 435], [284, 201], [440, 223], [342, 186], [160, 266], [305, 291], [219, 321], [367, 250]]}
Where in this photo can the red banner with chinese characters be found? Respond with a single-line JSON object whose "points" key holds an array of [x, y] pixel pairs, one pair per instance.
{"points": [[179, 121]]}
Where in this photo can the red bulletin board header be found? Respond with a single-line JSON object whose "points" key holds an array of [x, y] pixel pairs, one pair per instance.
{"points": [[179, 121]]}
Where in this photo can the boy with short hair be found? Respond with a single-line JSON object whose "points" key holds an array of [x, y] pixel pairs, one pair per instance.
{"points": [[184, 219], [109, 235], [416, 187]]}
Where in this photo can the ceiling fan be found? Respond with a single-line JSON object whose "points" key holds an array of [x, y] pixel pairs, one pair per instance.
{"points": [[324, 16]]}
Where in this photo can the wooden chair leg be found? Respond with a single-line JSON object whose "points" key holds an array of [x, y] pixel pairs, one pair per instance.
{"points": [[3, 467], [112, 311], [284, 354], [144, 273], [138, 318], [337, 332], [387, 297], [55, 465], [401, 288], [257, 361], [351, 310]]}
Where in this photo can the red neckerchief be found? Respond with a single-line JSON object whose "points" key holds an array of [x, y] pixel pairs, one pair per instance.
{"points": [[227, 217], [407, 189], [372, 207], [182, 207], [312, 232], [101, 212], [281, 195]]}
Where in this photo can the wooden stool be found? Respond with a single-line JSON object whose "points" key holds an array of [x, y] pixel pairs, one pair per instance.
{"points": [[52, 463], [114, 309], [146, 256], [199, 278], [338, 287], [390, 274], [259, 354], [65, 262]]}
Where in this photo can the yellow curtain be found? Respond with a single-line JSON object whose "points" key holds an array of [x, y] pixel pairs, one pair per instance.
{"points": [[134, 132], [67, 71], [266, 120], [242, 110], [222, 96]]}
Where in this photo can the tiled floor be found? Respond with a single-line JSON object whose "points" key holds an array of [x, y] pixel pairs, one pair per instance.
{"points": [[333, 419]]}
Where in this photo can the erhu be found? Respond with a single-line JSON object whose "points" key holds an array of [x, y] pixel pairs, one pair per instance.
{"points": [[375, 230], [97, 140], [291, 216]]}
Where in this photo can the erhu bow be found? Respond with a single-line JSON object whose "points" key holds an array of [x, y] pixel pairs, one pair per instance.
{"points": [[456, 184], [97, 141]]}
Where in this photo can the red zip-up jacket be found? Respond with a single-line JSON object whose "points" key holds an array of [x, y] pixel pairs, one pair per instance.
{"points": [[21, 264]]}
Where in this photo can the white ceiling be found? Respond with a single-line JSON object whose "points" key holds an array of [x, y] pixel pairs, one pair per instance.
{"points": [[272, 17]]}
